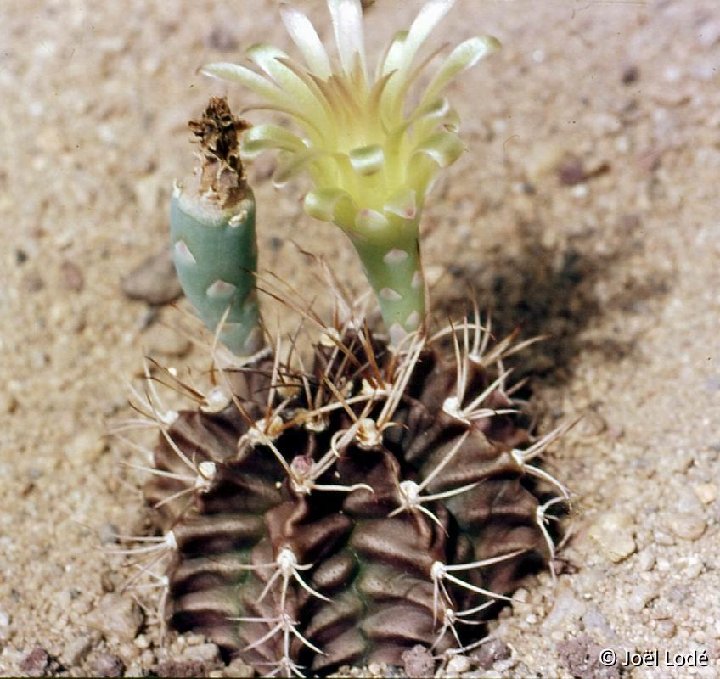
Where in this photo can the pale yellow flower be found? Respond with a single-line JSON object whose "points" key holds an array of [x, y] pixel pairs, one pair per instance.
{"points": [[370, 154]]}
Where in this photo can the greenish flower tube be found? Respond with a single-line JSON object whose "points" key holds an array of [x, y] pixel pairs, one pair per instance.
{"points": [[394, 269]]}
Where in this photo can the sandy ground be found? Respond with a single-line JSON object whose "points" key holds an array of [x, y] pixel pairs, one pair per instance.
{"points": [[586, 210]]}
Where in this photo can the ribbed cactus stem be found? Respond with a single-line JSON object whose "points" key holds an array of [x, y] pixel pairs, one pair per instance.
{"points": [[391, 261], [212, 229]]}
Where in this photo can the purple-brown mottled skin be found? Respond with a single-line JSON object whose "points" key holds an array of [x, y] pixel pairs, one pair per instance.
{"points": [[374, 567]]}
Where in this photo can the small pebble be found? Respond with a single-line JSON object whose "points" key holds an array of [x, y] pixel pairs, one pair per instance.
{"points": [[87, 446], [665, 628], [181, 668], [76, 650], [566, 609], [543, 159], [595, 622], [418, 662], [32, 282], [687, 526], [694, 568], [687, 501], [72, 278], [107, 665], [36, 662], [108, 534], [641, 596], [645, 561], [154, 281], [663, 565], [206, 653], [142, 642], [492, 651], [630, 74], [571, 171], [706, 492], [163, 340], [662, 537], [117, 617], [614, 534], [457, 665], [238, 670]]}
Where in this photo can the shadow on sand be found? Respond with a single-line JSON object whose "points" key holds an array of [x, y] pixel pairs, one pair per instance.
{"points": [[557, 293]]}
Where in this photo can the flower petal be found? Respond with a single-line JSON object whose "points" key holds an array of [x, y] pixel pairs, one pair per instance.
{"points": [[259, 138], [429, 16], [311, 126], [270, 59], [292, 164], [442, 147], [423, 121], [401, 54], [367, 160], [437, 114], [403, 204], [347, 19], [251, 80], [331, 205], [369, 221], [305, 37], [393, 55], [464, 56]]}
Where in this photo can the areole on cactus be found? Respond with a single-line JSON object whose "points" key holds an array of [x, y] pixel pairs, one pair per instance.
{"points": [[372, 157]]}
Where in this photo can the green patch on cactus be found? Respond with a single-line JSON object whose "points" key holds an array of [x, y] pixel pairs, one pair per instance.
{"points": [[212, 229]]}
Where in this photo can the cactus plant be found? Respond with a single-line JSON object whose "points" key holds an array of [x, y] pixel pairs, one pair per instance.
{"points": [[391, 495], [343, 516]]}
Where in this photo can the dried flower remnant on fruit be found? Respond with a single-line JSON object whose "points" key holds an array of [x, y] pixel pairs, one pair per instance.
{"points": [[218, 133]]}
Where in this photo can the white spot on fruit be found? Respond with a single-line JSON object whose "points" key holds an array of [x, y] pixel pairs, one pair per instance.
{"points": [[390, 295], [220, 289], [183, 254], [397, 334], [395, 256], [238, 219]]}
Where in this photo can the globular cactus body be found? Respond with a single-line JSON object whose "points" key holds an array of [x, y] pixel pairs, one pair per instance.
{"points": [[383, 500]]}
